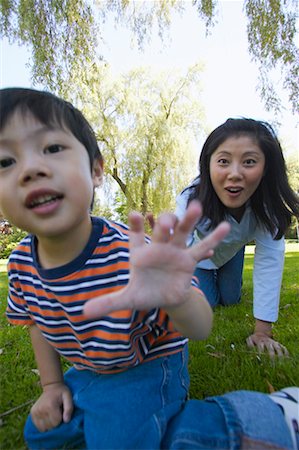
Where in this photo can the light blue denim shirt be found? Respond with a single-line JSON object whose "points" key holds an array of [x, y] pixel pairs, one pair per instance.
{"points": [[268, 257]]}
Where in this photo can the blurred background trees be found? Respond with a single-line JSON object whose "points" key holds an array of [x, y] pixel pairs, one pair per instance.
{"points": [[148, 123], [65, 35]]}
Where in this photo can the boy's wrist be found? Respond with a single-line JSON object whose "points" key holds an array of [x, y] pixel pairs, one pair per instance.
{"points": [[51, 383], [173, 309]]}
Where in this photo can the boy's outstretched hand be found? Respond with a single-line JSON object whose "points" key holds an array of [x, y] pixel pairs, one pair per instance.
{"points": [[160, 272]]}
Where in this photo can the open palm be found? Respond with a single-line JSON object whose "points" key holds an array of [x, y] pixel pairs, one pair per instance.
{"points": [[160, 271]]}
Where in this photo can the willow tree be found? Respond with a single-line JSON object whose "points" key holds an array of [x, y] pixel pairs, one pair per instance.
{"points": [[64, 35], [147, 125]]}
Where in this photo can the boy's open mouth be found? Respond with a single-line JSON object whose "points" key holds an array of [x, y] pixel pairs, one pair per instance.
{"points": [[44, 200], [42, 197]]}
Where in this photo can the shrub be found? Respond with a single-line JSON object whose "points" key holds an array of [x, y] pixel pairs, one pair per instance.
{"points": [[10, 241]]}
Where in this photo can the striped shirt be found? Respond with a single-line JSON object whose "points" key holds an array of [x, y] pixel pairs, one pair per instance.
{"points": [[53, 299]]}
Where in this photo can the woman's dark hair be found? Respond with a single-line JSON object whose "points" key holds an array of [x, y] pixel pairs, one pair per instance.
{"points": [[50, 110], [273, 202]]}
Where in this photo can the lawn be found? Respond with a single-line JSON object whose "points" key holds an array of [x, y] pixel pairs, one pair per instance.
{"points": [[219, 364]]}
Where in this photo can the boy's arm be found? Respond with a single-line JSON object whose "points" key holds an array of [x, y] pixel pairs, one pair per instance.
{"points": [[47, 359], [55, 404], [193, 318], [161, 273]]}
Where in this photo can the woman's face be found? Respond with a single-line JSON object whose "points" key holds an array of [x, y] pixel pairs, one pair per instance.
{"points": [[236, 169]]}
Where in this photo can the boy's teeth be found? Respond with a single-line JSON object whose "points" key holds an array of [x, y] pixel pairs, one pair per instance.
{"points": [[43, 199]]}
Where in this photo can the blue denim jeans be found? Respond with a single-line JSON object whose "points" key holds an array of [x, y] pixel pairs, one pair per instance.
{"points": [[147, 408], [223, 286]]}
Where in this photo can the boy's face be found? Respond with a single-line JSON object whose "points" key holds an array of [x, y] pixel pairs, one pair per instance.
{"points": [[46, 185]]}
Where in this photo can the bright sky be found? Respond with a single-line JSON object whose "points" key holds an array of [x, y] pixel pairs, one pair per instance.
{"points": [[229, 80]]}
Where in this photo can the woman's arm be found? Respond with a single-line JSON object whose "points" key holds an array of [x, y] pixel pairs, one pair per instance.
{"points": [[55, 404], [267, 276]]}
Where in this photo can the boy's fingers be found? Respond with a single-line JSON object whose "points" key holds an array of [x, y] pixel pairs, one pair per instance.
{"points": [[188, 222], [204, 249], [67, 407], [136, 224], [105, 304], [164, 227]]}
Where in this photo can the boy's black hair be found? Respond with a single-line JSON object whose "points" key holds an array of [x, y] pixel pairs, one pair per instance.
{"points": [[273, 202], [50, 110]]}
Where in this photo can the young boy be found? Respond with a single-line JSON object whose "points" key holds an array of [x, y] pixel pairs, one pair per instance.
{"points": [[121, 318]]}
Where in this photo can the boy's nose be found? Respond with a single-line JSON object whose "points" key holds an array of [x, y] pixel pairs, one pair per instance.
{"points": [[33, 170]]}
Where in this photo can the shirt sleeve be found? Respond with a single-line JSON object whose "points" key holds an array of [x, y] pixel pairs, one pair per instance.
{"points": [[267, 276], [17, 311]]}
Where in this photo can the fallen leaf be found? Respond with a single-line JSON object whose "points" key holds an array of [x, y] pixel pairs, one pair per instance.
{"points": [[210, 346], [216, 355]]}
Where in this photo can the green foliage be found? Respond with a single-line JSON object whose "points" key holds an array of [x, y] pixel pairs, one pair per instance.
{"points": [[147, 125], [292, 163], [293, 175], [9, 241], [219, 364], [272, 36], [56, 32], [64, 35], [206, 10], [102, 210], [141, 17], [292, 232]]}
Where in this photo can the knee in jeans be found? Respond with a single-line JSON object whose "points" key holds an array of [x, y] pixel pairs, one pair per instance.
{"points": [[230, 301]]}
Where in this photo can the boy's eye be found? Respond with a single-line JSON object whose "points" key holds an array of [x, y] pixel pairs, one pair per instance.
{"points": [[55, 148], [6, 162]]}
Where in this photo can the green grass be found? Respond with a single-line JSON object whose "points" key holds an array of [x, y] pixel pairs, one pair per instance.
{"points": [[221, 363]]}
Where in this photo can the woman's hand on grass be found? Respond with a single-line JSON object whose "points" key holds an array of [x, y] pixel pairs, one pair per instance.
{"points": [[54, 406], [266, 344]]}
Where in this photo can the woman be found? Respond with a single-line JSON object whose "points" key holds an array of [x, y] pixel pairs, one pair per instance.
{"points": [[243, 180]]}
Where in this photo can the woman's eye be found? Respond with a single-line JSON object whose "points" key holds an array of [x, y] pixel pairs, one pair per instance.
{"points": [[56, 148], [249, 162], [222, 161], [6, 162]]}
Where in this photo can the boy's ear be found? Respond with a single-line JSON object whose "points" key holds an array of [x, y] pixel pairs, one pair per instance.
{"points": [[97, 172]]}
